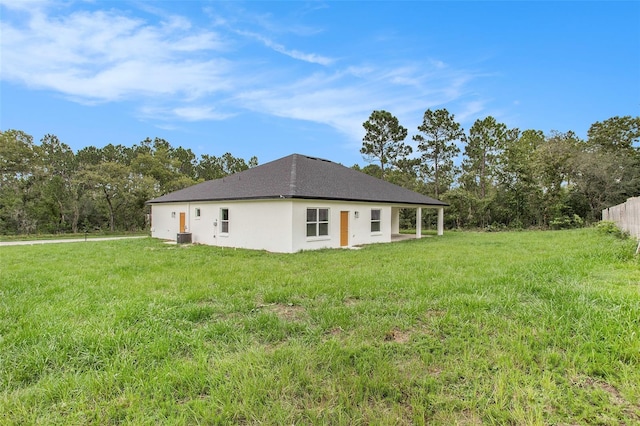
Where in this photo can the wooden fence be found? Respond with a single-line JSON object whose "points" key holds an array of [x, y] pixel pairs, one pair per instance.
{"points": [[626, 216]]}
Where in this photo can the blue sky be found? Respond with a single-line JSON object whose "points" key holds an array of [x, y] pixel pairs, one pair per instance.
{"points": [[273, 78]]}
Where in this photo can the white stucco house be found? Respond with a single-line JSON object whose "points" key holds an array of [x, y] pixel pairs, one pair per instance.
{"points": [[287, 205]]}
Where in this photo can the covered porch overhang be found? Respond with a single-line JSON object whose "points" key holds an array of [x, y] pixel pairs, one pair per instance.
{"points": [[395, 220]]}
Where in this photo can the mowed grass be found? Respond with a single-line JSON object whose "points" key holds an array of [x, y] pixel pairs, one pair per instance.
{"points": [[469, 328], [71, 236]]}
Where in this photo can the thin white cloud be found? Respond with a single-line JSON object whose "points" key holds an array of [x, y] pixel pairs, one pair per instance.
{"points": [[200, 113], [470, 111], [23, 5], [292, 53], [344, 100], [104, 56], [175, 71], [183, 113]]}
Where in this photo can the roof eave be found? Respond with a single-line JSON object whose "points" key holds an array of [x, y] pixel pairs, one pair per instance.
{"points": [[302, 197]]}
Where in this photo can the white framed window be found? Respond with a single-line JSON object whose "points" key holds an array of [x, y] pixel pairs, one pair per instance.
{"points": [[173, 215], [224, 221], [375, 220], [197, 213], [317, 222]]}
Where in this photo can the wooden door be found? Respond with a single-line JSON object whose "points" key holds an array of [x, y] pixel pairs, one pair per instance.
{"points": [[344, 229], [182, 221]]}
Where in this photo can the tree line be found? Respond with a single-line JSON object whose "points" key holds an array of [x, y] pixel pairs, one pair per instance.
{"points": [[495, 177], [48, 188]]}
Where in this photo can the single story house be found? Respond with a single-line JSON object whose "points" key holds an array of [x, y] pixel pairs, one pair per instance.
{"points": [[287, 205]]}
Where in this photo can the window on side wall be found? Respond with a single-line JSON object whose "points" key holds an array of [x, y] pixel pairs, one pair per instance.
{"points": [[317, 222], [224, 221], [197, 214], [375, 220]]}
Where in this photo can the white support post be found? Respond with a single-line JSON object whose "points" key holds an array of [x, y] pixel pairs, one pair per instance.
{"points": [[440, 220], [419, 222]]}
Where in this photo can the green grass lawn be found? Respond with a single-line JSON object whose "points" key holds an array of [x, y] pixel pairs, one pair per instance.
{"points": [[469, 328], [70, 236]]}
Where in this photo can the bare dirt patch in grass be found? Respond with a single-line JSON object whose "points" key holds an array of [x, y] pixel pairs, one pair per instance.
{"points": [[615, 397], [468, 417], [336, 331], [351, 301], [612, 391], [435, 370], [435, 313], [287, 312], [398, 336]]}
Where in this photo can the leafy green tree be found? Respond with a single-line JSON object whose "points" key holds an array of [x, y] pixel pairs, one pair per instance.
{"points": [[117, 154], [17, 153], [383, 140], [185, 161], [109, 182], [405, 174], [140, 189], [606, 169], [231, 164], [616, 134], [370, 169], [56, 167], [56, 157], [481, 166], [157, 159], [212, 167], [485, 144], [209, 167], [518, 189], [615, 144], [437, 144], [463, 205], [48, 188], [78, 195], [89, 155], [554, 169], [597, 183], [553, 160], [115, 185]]}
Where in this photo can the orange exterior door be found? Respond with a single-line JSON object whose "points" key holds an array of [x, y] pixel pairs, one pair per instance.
{"points": [[344, 229], [182, 221]]}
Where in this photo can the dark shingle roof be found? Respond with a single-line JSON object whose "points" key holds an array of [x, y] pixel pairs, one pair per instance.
{"points": [[299, 176]]}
